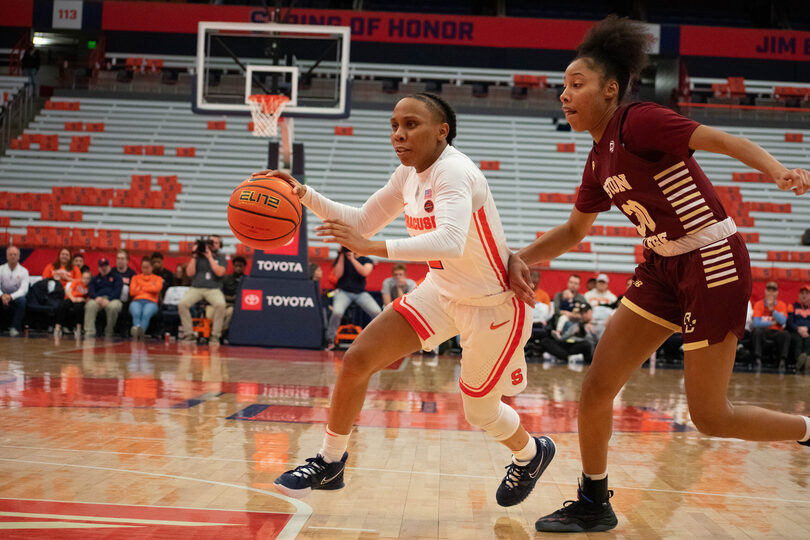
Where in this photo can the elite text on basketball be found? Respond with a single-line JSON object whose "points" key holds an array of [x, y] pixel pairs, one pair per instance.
{"points": [[260, 198]]}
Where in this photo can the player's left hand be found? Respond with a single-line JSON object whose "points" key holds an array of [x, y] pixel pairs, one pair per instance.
{"points": [[797, 180], [519, 279], [335, 231]]}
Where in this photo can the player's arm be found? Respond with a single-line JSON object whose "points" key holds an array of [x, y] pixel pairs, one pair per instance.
{"points": [[716, 141], [552, 244]]}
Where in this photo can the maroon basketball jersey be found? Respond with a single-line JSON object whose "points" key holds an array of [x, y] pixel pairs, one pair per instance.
{"points": [[644, 166]]}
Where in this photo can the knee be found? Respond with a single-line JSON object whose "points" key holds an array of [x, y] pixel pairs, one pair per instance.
{"points": [[597, 390], [357, 363], [479, 414], [714, 423]]}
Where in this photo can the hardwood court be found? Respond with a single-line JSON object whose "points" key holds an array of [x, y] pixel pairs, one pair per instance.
{"points": [[126, 440]]}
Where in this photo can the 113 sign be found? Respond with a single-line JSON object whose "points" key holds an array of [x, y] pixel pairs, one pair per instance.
{"points": [[67, 14]]}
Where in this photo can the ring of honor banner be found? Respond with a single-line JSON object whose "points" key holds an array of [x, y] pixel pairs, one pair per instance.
{"points": [[277, 305]]}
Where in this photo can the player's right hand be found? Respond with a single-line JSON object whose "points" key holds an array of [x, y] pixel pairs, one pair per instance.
{"points": [[298, 188], [519, 279]]}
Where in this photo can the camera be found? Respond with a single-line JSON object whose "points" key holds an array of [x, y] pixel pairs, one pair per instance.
{"points": [[200, 244]]}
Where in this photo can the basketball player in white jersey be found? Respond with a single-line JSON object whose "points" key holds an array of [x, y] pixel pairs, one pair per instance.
{"points": [[454, 225]]}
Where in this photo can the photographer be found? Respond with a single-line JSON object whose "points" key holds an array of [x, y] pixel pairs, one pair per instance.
{"points": [[206, 269], [351, 271]]}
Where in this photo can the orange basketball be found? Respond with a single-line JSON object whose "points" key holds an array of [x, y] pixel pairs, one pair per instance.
{"points": [[264, 213]]}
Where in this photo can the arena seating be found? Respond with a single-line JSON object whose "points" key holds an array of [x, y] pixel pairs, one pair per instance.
{"points": [[533, 171]]}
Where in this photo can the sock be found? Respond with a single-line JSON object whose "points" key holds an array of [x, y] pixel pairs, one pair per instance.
{"points": [[334, 445], [527, 453], [594, 491], [595, 476], [806, 429]]}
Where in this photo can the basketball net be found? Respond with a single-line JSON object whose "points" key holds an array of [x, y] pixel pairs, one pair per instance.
{"points": [[266, 110]]}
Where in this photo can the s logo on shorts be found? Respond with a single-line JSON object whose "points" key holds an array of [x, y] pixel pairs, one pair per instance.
{"points": [[517, 377]]}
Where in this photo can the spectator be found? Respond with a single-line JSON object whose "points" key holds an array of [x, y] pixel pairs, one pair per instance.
{"points": [[145, 290], [568, 303], [159, 270], [104, 292], [602, 303], [351, 272], [62, 269], [798, 324], [78, 262], [30, 65], [543, 310], [770, 317], [396, 285], [71, 310], [230, 285], [590, 284], [181, 278], [315, 272], [123, 271], [206, 269], [13, 289], [575, 342]]}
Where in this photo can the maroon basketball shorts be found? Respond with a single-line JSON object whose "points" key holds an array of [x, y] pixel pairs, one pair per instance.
{"points": [[703, 294]]}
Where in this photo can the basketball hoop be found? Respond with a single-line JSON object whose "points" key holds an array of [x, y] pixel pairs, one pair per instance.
{"points": [[266, 111]]}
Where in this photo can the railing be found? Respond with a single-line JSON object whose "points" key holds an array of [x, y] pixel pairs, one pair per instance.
{"points": [[15, 115]]}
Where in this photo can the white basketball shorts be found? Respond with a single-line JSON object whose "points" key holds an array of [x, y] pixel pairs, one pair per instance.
{"points": [[493, 332]]}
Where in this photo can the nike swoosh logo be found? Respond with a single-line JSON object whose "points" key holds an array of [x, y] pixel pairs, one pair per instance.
{"points": [[537, 470], [327, 480], [493, 326]]}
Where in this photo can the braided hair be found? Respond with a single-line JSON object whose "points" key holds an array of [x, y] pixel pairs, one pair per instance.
{"points": [[618, 45], [442, 108]]}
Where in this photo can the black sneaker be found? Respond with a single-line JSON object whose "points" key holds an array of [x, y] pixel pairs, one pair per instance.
{"points": [[316, 474], [582, 515], [520, 480]]}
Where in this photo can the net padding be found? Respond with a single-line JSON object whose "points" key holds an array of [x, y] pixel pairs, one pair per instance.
{"points": [[266, 110]]}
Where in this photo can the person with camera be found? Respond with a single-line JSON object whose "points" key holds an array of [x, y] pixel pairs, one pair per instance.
{"points": [[351, 271], [206, 270]]}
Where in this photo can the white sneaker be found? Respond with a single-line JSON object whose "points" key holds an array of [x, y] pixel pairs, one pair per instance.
{"points": [[548, 357], [13, 332], [576, 358]]}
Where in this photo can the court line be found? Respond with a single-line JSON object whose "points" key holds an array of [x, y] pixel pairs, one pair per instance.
{"points": [[290, 530], [425, 473], [342, 529]]}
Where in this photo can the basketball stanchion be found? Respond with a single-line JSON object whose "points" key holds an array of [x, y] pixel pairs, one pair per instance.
{"points": [[266, 110]]}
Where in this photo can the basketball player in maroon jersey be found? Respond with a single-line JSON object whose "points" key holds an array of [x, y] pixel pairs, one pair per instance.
{"points": [[695, 278]]}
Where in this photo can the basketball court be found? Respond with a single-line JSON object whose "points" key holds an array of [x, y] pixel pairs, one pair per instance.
{"points": [[120, 439], [132, 440]]}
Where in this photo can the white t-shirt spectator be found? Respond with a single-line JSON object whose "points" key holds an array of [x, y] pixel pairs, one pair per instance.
{"points": [[13, 282], [389, 285], [600, 303]]}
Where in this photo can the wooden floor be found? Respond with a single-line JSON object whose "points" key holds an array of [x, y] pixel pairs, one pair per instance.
{"points": [[121, 440]]}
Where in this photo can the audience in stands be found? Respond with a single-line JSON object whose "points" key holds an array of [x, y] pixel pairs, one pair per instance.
{"points": [[543, 310], [159, 270], [770, 318], [71, 310], [123, 271], [590, 284], [398, 284], [62, 269], [104, 294], [798, 325], [230, 285], [569, 304], [181, 278], [206, 272], [603, 304], [13, 289], [575, 342], [78, 262], [351, 272], [145, 293]]}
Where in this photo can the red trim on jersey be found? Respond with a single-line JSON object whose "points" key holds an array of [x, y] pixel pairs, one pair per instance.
{"points": [[413, 317], [490, 247], [512, 344], [436, 265]]}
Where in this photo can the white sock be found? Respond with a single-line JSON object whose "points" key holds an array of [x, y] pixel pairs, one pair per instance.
{"points": [[595, 476], [806, 429], [527, 453], [334, 445]]}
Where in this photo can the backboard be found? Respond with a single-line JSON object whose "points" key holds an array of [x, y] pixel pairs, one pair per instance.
{"points": [[307, 63]]}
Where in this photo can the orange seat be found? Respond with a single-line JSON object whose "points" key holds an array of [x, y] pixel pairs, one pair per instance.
{"points": [[202, 326]]}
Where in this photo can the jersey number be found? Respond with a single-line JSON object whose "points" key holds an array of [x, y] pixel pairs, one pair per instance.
{"points": [[517, 377], [633, 208]]}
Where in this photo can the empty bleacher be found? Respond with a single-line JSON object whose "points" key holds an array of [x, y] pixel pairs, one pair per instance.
{"points": [[533, 170]]}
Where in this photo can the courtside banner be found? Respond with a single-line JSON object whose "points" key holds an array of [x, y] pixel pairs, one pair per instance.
{"points": [[287, 262], [381, 27], [745, 43]]}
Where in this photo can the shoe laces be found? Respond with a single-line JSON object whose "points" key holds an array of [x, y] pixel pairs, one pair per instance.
{"points": [[569, 506], [514, 473], [313, 466]]}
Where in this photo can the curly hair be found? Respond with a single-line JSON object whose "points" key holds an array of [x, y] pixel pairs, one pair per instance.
{"points": [[617, 45], [442, 108]]}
